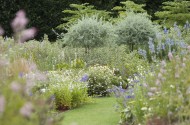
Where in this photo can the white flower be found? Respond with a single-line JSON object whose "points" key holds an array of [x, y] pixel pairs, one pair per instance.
{"points": [[144, 108], [172, 86], [42, 90]]}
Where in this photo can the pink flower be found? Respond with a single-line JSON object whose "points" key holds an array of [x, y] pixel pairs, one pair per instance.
{"points": [[1, 31], [183, 65], [2, 104], [27, 109], [153, 89], [177, 75], [158, 82], [16, 87], [20, 21], [159, 75], [163, 63], [170, 56], [163, 71], [28, 34], [150, 94], [188, 47]]}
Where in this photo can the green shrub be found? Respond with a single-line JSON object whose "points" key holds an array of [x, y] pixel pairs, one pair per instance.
{"points": [[68, 90], [44, 54], [100, 79], [131, 64], [113, 56], [106, 55], [134, 30], [88, 32]]}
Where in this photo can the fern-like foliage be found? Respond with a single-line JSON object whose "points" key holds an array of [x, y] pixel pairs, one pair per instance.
{"points": [[129, 6], [177, 11], [77, 11]]}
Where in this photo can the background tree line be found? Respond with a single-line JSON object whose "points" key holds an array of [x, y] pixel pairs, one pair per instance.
{"points": [[47, 14]]}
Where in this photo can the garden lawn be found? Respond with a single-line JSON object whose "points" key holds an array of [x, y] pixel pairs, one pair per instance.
{"points": [[101, 112]]}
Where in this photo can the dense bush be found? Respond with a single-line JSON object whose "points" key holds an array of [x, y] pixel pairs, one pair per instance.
{"points": [[88, 32], [68, 90], [44, 54], [134, 30], [106, 55], [100, 79]]}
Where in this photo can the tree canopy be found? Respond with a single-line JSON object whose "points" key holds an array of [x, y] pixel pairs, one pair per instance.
{"points": [[46, 15]]}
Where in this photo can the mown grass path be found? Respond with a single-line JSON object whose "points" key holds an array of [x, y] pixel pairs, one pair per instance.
{"points": [[101, 112]]}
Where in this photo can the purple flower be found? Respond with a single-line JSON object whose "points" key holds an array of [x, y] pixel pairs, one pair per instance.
{"points": [[27, 109], [28, 34], [20, 21], [165, 30], [84, 78], [15, 87], [21, 74], [52, 97]]}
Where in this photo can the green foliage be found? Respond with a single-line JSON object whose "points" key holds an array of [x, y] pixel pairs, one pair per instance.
{"points": [[89, 32], [177, 11], [134, 30], [113, 56], [44, 54], [131, 64], [101, 78], [129, 6], [68, 90], [80, 10], [106, 55]]}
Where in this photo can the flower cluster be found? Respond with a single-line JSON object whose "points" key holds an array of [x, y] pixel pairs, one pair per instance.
{"points": [[19, 24]]}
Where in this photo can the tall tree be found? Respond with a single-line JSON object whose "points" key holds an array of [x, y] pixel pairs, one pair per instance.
{"points": [[177, 11]]}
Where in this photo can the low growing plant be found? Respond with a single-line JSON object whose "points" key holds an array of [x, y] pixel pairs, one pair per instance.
{"points": [[68, 90]]}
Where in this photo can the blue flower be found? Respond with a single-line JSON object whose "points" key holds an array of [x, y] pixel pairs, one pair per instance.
{"points": [[165, 30], [84, 78], [21, 74], [151, 45], [142, 53], [52, 97]]}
